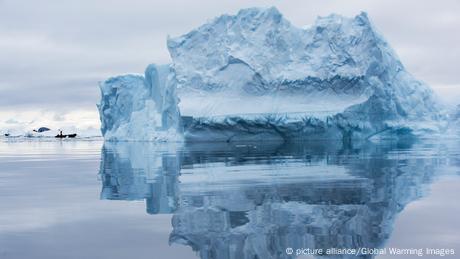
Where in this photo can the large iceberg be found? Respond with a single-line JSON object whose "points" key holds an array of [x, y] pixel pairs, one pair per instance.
{"points": [[255, 76]]}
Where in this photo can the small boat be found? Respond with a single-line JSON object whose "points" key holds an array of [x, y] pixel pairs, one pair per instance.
{"points": [[7, 134], [66, 136]]}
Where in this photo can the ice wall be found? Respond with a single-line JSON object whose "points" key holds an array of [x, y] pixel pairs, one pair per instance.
{"points": [[140, 108]]}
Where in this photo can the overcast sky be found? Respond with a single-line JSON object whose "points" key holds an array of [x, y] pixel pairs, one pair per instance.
{"points": [[54, 52]]}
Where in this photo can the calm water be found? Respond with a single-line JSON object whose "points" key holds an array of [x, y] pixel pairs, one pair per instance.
{"points": [[84, 199]]}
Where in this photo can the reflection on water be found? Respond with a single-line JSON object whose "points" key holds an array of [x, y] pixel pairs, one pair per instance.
{"points": [[254, 201], [136, 171]]}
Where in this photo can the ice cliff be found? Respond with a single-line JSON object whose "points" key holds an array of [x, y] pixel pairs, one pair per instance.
{"points": [[254, 76], [137, 107]]}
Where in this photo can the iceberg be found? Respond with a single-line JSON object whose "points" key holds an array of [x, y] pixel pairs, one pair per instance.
{"points": [[255, 76]]}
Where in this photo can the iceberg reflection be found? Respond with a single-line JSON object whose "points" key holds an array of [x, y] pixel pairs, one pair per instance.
{"points": [[137, 171], [254, 201]]}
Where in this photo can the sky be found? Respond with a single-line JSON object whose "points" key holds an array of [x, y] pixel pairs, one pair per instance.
{"points": [[53, 53]]}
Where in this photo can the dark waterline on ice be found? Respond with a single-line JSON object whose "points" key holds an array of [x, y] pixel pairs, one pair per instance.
{"points": [[84, 199]]}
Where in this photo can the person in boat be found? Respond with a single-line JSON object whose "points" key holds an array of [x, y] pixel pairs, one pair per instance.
{"points": [[60, 133]]}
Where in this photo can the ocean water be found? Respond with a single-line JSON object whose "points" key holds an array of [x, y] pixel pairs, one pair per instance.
{"points": [[89, 199]]}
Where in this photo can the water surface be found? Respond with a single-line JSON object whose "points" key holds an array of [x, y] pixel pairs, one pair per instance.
{"points": [[87, 199]]}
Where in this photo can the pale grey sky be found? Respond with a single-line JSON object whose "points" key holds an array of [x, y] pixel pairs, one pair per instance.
{"points": [[54, 52]]}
